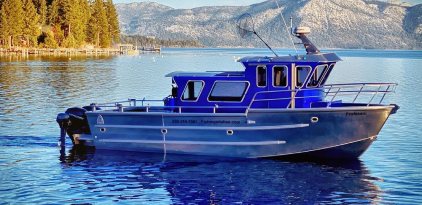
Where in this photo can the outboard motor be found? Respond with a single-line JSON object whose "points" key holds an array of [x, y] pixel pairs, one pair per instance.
{"points": [[64, 121], [73, 121]]}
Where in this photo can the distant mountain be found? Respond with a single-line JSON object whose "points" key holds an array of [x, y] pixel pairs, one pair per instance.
{"points": [[333, 23]]}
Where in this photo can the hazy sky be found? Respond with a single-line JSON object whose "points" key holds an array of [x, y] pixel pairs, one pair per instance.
{"points": [[187, 4]]}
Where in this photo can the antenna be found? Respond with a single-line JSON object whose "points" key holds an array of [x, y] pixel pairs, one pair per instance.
{"points": [[287, 29], [245, 27]]}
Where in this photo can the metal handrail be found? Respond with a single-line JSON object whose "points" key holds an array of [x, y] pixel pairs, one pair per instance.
{"points": [[119, 106], [333, 91], [390, 88], [329, 91], [128, 101]]}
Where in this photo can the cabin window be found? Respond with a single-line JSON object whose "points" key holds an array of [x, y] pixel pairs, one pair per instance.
{"points": [[302, 73], [317, 75], [228, 91], [327, 74], [192, 90], [280, 76], [261, 76]]}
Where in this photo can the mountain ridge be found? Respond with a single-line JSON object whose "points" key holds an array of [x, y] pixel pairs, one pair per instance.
{"points": [[334, 23]]}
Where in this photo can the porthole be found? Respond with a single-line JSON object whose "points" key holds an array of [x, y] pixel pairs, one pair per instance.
{"points": [[102, 129], [229, 132], [314, 119]]}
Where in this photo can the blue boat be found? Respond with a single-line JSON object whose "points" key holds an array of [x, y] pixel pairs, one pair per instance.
{"points": [[278, 106]]}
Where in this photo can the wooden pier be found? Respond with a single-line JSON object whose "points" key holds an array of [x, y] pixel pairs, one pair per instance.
{"points": [[151, 49], [130, 49], [122, 49], [59, 51]]}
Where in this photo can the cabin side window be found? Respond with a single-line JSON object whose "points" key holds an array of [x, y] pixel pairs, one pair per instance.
{"points": [[192, 90], [228, 91], [317, 75], [302, 73], [327, 74], [261, 76], [280, 76]]}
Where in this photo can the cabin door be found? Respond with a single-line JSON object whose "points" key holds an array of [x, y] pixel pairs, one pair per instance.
{"points": [[279, 84], [263, 84], [292, 85]]}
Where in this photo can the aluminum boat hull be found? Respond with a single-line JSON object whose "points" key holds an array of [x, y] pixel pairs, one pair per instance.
{"points": [[343, 132]]}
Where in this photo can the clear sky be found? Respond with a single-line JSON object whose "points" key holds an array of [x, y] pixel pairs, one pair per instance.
{"points": [[188, 4]]}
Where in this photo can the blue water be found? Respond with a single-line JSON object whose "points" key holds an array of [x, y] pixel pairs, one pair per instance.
{"points": [[32, 170]]}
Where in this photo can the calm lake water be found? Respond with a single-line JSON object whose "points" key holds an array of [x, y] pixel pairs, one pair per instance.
{"points": [[35, 89]]}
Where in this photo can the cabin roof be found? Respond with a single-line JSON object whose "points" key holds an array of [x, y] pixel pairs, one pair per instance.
{"points": [[207, 74], [319, 58], [312, 58]]}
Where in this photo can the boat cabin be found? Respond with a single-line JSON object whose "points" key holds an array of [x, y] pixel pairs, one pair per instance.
{"points": [[266, 82]]}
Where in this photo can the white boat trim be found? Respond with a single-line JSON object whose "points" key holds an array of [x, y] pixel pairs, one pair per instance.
{"points": [[165, 114], [195, 142], [277, 127], [242, 114]]}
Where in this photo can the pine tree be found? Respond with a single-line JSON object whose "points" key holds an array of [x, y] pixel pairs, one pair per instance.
{"points": [[65, 16], [53, 13], [79, 23], [59, 34], [76, 25], [69, 42], [113, 22], [30, 28], [11, 19], [2, 33], [54, 19], [98, 25], [49, 41], [41, 6]]}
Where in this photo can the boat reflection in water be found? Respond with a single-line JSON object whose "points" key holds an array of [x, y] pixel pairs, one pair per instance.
{"points": [[146, 178]]}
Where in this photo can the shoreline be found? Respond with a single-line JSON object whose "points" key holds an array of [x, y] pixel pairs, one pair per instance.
{"points": [[114, 51], [32, 50], [59, 51]]}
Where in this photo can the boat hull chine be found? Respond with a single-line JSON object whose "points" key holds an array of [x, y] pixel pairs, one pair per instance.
{"points": [[347, 151]]}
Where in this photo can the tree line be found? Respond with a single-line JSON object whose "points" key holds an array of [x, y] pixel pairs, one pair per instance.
{"points": [[145, 41], [58, 23]]}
